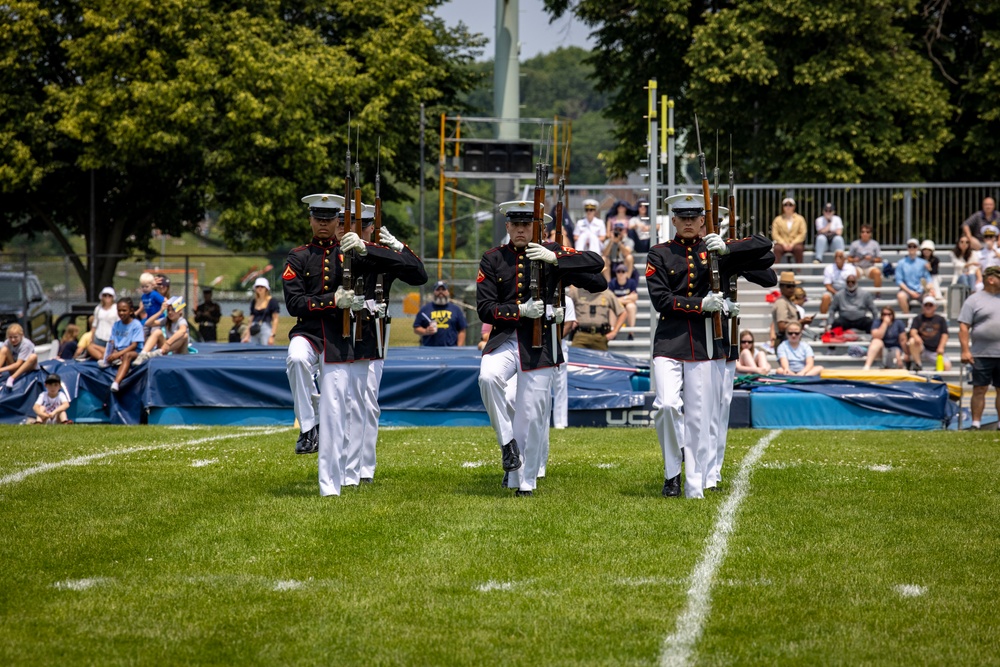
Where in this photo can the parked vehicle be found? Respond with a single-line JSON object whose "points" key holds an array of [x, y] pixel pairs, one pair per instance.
{"points": [[23, 301]]}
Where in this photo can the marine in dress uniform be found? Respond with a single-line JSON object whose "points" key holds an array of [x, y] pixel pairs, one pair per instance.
{"points": [[688, 365], [503, 300], [316, 295]]}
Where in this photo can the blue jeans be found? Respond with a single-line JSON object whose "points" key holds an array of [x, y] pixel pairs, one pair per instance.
{"points": [[822, 242]]}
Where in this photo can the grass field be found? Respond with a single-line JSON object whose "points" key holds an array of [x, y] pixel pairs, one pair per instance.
{"points": [[212, 546]]}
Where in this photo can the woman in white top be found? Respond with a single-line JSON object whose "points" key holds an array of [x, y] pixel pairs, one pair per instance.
{"points": [[105, 316], [966, 261]]}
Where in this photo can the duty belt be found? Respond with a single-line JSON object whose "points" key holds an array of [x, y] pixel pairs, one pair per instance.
{"points": [[595, 330]]}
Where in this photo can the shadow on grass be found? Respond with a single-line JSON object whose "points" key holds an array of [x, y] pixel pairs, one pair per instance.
{"points": [[297, 489]]}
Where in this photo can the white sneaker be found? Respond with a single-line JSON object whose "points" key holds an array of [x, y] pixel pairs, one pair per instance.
{"points": [[102, 363], [141, 359], [114, 387], [156, 353]]}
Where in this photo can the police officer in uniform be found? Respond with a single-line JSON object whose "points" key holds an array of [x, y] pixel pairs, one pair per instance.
{"points": [[688, 365], [503, 300], [316, 295], [600, 316]]}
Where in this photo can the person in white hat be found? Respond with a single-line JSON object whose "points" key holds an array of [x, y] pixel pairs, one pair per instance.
{"points": [[788, 231], [504, 300], [927, 338], [912, 277], [689, 366], [264, 313], [105, 316], [316, 296], [989, 255], [171, 338], [590, 231]]}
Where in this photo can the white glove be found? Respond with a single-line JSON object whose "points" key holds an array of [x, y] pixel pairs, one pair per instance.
{"points": [[539, 253], [344, 297], [389, 241], [559, 314], [381, 310], [358, 302], [532, 309], [352, 241], [731, 308], [715, 243], [712, 303]]}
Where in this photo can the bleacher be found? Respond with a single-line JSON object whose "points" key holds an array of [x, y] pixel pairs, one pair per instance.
{"points": [[755, 314]]}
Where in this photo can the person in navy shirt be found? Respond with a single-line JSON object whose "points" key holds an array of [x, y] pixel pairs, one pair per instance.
{"points": [[626, 288], [441, 323]]}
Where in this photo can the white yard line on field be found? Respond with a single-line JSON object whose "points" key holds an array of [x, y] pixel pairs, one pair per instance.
{"points": [[16, 477], [678, 647]]}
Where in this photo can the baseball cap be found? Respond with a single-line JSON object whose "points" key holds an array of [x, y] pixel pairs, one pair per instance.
{"points": [[262, 282], [991, 271], [110, 291], [52, 378], [927, 245], [177, 303], [236, 313], [913, 242], [828, 206], [441, 284], [619, 224], [206, 288], [788, 200], [620, 267], [163, 280], [931, 299]]}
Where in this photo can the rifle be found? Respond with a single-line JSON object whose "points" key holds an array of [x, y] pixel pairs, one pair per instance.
{"points": [[358, 228], [734, 328], [713, 257], [535, 285], [558, 215], [348, 272], [380, 296]]}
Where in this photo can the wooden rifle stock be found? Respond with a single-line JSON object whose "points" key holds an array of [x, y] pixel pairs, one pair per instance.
{"points": [[713, 258], [535, 286]]}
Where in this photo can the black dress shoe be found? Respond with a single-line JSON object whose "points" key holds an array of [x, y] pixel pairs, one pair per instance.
{"points": [[302, 444], [523, 494], [672, 487], [714, 489], [511, 456], [312, 445], [367, 480], [506, 477]]}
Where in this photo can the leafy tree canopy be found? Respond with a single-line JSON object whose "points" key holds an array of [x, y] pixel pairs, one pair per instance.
{"points": [[181, 106]]}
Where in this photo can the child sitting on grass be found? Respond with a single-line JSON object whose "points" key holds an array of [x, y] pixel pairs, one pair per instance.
{"points": [[172, 338], [126, 337], [52, 404]]}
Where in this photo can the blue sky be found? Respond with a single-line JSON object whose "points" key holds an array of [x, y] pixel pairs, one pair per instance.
{"points": [[535, 33]]}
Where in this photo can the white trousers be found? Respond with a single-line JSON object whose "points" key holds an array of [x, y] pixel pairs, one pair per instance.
{"points": [[685, 394], [720, 423], [302, 368], [342, 390], [532, 404], [560, 390], [372, 412]]}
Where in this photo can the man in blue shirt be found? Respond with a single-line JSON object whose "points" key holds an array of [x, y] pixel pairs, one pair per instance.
{"points": [[625, 287], [440, 323], [912, 276]]}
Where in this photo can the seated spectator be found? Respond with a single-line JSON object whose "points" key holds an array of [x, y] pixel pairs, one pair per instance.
{"points": [[68, 343], [171, 338], [17, 356], [105, 316], [852, 307], [912, 277], [927, 338], [972, 228], [626, 288], [240, 332], [589, 232], [989, 255], [888, 335], [750, 359], [966, 263], [618, 250], [788, 231], [866, 256], [126, 339], [933, 264], [829, 233], [784, 312], [835, 278], [52, 404], [795, 357], [83, 347], [638, 227]]}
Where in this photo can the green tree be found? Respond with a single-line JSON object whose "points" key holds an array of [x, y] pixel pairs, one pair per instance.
{"points": [[177, 107]]}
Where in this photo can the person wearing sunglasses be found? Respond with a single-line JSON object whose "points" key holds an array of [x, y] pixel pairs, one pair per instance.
{"points": [[852, 307], [751, 360], [788, 231], [912, 277], [927, 338], [795, 356], [888, 336]]}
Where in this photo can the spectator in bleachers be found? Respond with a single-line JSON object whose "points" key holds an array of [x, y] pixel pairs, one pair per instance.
{"points": [[835, 277], [852, 307], [888, 335], [989, 255], [618, 250], [105, 316], [795, 356], [927, 338], [638, 227], [829, 232], [933, 264], [17, 356], [751, 360], [866, 256], [788, 231], [784, 312], [619, 213], [972, 228], [912, 277], [68, 343], [589, 231], [626, 288], [966, 263]]}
